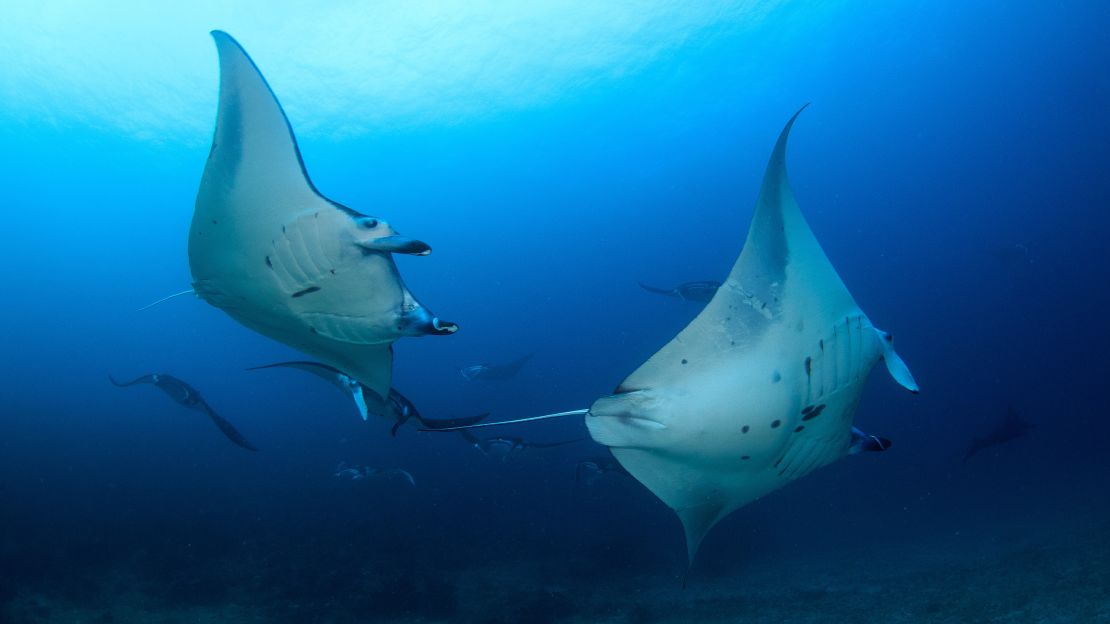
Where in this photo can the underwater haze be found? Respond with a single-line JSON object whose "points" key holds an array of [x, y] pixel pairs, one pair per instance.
{"points": [[952, 162]]}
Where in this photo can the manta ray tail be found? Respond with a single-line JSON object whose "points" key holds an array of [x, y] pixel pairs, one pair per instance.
{"points": [[165, 299], [452, 423], [578, 412]]}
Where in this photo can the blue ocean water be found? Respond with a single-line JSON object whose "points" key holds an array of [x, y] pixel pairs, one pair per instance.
{"points": [[951, 162]]}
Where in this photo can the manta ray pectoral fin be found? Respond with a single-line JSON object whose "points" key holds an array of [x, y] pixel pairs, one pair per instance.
{"points": [[397, 244], [896, 366]]}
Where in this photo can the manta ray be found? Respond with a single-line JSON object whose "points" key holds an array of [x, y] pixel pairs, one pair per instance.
{"points": [[761, 387], [186, 395], [1011, 427], [267, 248], [494, 371]]}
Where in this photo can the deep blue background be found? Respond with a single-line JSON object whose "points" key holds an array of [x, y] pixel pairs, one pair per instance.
{"points": [[937, 132]]}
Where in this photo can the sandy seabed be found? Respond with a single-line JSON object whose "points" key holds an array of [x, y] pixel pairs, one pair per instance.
{"points": [[1055, 576]]}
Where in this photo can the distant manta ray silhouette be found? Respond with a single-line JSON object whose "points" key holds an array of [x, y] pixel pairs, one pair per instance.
{"points": [[494, 371], [267, 248], [1011, 427], [688, 291], [761, 387], [186, 395]]}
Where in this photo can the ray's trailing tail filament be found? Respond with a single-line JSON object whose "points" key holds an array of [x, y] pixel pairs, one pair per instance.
{"points": [[577, 412], [165, 299]]}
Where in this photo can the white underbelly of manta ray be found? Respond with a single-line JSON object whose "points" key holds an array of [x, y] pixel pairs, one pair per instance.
{"points": [[760, 389], [267, 248]]}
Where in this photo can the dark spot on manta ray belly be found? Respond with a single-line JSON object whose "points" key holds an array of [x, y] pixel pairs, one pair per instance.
{"points": [[775, 423], [745, 429], [684, 360], [306, 291], [812, 412], [268, 263], [776, 377], [745, 457], [799, 428], [809, 366]]}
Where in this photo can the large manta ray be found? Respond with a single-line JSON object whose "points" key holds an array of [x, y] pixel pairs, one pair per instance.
{"points": [[267, 248], [759, 389]]}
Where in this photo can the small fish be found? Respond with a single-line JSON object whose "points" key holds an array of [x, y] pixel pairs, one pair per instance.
{"points": [[358, 472], [504, 447], [590, 470]]}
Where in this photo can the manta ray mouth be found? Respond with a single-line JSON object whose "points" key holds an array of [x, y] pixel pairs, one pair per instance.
{"points": [[631, 420]]}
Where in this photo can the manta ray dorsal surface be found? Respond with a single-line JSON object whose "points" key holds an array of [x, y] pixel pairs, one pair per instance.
{"points": [[276, 255], [761, 387]]}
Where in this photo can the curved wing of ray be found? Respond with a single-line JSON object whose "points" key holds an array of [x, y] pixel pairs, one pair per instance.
{"points": [[329, 374]]}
